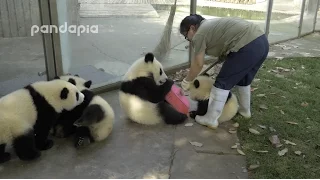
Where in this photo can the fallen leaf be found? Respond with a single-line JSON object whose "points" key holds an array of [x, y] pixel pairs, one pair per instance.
{"points": [[188, 124], [304, 104], [289, 142], [291, 122], [272, 93], [302, 67], [281, 112], [283, 152], [275, 141], [261, 151], [272, 129], [298, 153], [196, 143], [232, 131], [279, 58], [236, 125], [261, 95], [234, 146], [241, 152], [254, 131], [263, 106], [262, 126], [286, 48], [253, 89], [253, 166], [255, 80]]}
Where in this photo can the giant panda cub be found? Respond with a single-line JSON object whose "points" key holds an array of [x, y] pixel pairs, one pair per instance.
{"points": [[26, 116], [91, 121], [142, 93], [200, 90]]}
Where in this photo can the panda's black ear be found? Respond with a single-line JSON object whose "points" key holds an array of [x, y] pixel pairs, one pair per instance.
{"points": [[64, 93], [56, 77], [149, 57], [72, 81], [196, 83], [77, 75], [88, 84]]}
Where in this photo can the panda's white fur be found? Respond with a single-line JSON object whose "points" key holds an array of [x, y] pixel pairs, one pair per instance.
{"points": [[146, 110], [19, 111], [98, 130], [200, 90]]}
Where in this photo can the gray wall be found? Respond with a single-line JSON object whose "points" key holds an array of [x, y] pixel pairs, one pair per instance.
{"points": [[17, 16]]}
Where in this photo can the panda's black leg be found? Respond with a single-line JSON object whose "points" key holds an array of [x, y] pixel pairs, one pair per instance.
{"points": [[41, 137], [4, 156], [83, 137], [25, 147], [171, 115]]}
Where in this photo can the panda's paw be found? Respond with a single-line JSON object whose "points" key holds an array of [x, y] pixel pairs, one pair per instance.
{"points": [[47, 145], [82, 142], [5, 157]]}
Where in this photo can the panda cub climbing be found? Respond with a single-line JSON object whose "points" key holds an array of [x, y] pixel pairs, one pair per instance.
{"points": [[142, 93], [91, 121], [26, 116], [200, 90]]}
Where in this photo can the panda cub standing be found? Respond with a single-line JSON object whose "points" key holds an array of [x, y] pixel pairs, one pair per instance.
{"points": [[91, 121], [26, 116], [143, 91], [199, 91]]}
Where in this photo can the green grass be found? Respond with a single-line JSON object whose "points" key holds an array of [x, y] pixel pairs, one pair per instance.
{"points": [[285, 91]]}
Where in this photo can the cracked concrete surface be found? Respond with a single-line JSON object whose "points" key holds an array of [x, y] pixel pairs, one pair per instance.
{"points": [[136, 151]]}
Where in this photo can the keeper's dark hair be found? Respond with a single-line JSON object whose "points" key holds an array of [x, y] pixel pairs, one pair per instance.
{"points": [[193, 19]]}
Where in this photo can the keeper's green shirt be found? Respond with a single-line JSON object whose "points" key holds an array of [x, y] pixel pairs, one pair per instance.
{"points": [[220, 36]]}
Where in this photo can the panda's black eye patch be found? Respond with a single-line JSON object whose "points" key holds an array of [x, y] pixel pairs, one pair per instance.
{"points": [[64, 93], [77, 96], [196, 83], [161, 72]]}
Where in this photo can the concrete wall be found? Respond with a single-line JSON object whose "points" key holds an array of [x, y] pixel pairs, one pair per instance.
{"points": [[17, 16]]}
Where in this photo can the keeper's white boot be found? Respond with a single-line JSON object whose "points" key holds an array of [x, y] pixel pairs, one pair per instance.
{"points": [[244, 100], [218, 98]]}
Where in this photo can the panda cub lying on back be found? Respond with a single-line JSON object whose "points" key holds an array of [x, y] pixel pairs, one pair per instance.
{"points": [[91, 121], [200, 90], [143, 91], [26, 116]]}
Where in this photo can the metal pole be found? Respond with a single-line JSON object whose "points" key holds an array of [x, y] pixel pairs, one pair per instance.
{"points": [[193, 10], [268, 17], [315, 17], [47, 39], [301, 16]]}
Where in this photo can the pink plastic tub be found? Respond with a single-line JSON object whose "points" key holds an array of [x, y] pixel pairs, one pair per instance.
{"points": [[178, 100]]}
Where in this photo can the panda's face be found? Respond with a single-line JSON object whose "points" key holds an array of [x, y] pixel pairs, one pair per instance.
{"points": [[155, 69], [200, 88], [158, 73], [70, 97]]}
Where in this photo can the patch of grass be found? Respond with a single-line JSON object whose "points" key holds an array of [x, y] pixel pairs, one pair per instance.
{"points": [[285, 91]]}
